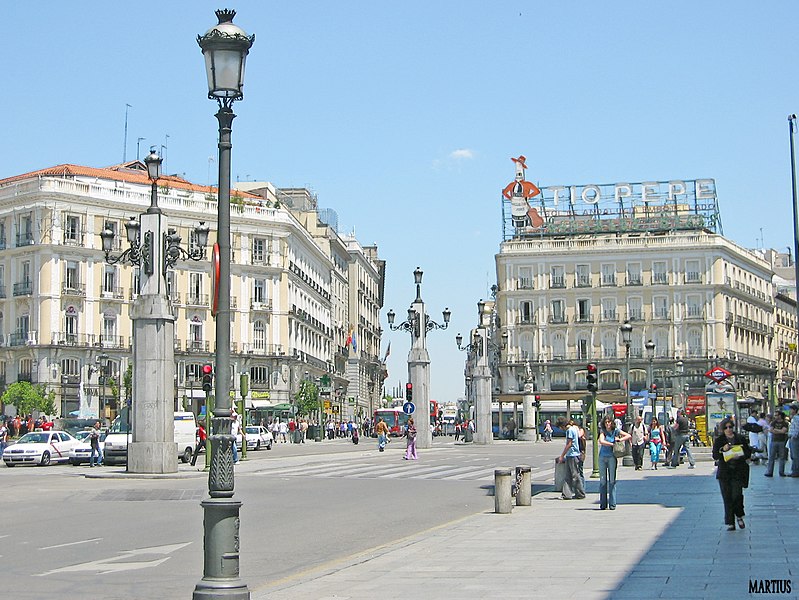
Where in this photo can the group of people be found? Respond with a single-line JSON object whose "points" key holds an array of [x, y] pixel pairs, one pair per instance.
{"points": [[20, 425]]}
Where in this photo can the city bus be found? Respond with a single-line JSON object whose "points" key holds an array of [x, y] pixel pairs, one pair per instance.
{"points": [[394, 418]]}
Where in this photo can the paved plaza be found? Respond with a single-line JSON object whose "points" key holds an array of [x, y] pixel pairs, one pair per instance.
{"points": [[665, 540]]}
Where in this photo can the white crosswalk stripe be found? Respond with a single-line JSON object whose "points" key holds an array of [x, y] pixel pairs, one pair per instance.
{"points": [[397, 470]]}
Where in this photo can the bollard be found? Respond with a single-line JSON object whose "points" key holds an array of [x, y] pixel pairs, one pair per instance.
{"points": [[502, 491], [523, 489]]}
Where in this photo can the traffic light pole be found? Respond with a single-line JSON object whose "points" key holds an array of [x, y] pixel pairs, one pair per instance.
{"points": [[594, 439]]}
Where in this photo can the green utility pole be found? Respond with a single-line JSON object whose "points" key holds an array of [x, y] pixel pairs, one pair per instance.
{"points": [[244, 389], [209, 405]]}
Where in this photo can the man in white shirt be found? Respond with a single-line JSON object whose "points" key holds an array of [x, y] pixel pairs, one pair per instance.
{"points": [[235, 429]]}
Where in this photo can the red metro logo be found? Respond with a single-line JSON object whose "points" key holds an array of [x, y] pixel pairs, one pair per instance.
{"points": [[718, 374]]}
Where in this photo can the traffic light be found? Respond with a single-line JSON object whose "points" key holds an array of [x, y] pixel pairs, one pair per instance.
{"points": [[208, 378], [537, 402], [654, 390], [590, 377], [408, 392]]}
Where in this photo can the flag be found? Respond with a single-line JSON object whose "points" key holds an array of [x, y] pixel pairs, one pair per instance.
{"points": [[388, 352], [354, 342], [349, 338]]}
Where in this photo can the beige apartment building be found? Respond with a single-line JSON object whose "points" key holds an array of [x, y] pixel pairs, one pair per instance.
{"points": [[652, 257], [64, 310]]}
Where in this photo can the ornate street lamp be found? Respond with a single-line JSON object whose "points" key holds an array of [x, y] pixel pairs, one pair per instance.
{"points": [[627, 337], [650, 354], [418, 324], [225, 47]]}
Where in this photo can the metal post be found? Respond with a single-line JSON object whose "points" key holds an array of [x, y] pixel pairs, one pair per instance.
{"points": [[627, 460], [594, 439], [792, 132]]}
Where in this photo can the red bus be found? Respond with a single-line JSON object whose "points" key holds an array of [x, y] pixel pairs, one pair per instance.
{"points": [[394, 418]]}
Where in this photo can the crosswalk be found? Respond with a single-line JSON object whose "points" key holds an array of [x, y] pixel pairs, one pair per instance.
{"points": [[378, 469]]}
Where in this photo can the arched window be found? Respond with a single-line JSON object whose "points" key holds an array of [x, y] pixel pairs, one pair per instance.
{"points": [[695, 342], [609, 344], [558, 346]]}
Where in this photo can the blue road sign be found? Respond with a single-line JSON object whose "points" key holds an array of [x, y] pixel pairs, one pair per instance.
{"points": [[408, 408]]}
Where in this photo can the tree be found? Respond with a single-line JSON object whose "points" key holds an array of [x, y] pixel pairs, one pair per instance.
{"points": [[127, 382], [307, 398], [27, 398]]}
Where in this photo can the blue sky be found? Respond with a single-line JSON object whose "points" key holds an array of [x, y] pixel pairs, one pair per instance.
{"points": [[403, 116]]}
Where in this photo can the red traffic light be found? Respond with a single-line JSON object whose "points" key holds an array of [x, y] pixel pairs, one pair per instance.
{"points": [[591, 368], [208, 369]]}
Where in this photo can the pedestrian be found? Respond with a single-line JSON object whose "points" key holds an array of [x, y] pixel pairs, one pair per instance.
{"points": [[235, 430], [283, 429], [582, 442], [656, 442], [457, 431], [639, 438], [777, 450], [668, 441], [609, 433], [793, 439], [201, 437], [94, 443], [763, 436], [292, 429], [547, 431], [511, 429], [573, 484], [382, 434], [754, 430], [3, 436], [731, 450], [681, 435], [303, 430], [410, 434]]}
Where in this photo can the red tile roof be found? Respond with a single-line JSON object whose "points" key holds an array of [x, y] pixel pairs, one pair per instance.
{"points": [[130, 172]]}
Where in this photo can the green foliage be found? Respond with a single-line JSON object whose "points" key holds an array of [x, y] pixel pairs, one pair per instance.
{"points": [[307, 398], [127, 382], [112, 383], [27, 398]]}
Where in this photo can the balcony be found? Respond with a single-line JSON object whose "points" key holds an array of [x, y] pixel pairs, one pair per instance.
{"points": [[22, 339], [693, 277], [660, 279], [582, 281], [62, 338], [73, 289], [73, 238], [635, 314], [660, 313], [174, 297], [608, 281], [524, 283], [197, 346], [24, 288], [557, 283], [261, 306], [112, 293], [24, 239], [259, 349], [634, 279], [584, 319], [196, 299], [694, 312], [609, 316], [526, 320], [112, 341], [2, 291], [557, 320]]}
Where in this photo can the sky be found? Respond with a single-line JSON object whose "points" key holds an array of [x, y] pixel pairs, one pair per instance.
{"points": [[403, 116]]}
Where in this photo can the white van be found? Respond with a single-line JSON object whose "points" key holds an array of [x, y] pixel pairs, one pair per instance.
{"points": [[647, 414], [115, 451]]}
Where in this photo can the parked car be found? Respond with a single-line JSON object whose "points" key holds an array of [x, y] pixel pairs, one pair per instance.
{"points": [[258, 437], [83, 451], [40, 448]]}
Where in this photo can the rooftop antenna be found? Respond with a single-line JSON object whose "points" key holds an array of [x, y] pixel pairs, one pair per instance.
{"points": [[125, 142], [138, 144]]}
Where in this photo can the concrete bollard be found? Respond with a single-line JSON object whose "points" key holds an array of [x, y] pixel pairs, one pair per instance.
{"points": [[502, 491], [523, 480]]}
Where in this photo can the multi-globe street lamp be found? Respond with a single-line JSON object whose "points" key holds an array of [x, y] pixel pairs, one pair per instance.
{"points": [[418, 324], [225, 47], [680, 373], [650, 354], [627, 337]]}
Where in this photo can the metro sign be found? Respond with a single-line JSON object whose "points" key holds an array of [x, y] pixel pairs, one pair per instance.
{"points": [[718, 374]]}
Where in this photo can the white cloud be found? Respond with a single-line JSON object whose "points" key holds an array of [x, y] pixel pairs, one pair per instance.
{"points": [[462, 154]]}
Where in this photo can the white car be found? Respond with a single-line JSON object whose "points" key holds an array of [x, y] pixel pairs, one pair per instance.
{"points": [[258, 437], [40, 448], [83, 451]]}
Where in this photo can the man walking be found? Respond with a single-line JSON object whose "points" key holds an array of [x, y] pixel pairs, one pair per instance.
{"points": [[681, 436], [94, 442], [573, 486], [777, 450], [201, 437], [382, 434], [793, 439]]}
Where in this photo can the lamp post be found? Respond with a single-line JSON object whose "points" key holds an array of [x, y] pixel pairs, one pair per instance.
{"points": [[64, 382], [418, 324], [102, 363], [792, 132], [225, 47], [681, 401], [627, 337], [650, 354]]}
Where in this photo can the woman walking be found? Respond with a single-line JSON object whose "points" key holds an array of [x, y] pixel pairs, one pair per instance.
{"points": [[410, 434], [731, 450], [608, 434], [657, 441]]}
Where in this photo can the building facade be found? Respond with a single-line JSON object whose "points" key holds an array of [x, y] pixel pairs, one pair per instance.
{"points": [[64, 310]]}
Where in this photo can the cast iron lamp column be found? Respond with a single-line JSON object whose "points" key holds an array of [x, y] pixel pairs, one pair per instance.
{"points": [[627, 336], [225, 47], [650, 354], [418, 324], [681, 401]]}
